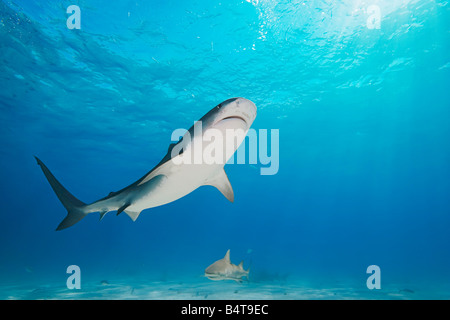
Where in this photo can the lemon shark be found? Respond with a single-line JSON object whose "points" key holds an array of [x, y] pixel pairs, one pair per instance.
{"points": [[176, 175], [223, 269]]}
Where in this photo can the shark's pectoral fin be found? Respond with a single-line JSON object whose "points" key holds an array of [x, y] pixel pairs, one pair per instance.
{"points": [[132, 214], [221, 182]]}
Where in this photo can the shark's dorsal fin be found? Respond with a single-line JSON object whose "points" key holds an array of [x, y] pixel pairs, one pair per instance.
{"points": [[221, 182], [241, 265], [227, 257]]}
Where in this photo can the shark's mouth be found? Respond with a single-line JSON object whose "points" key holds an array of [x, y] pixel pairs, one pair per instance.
{"points": [[234, 118], [213, 276]]}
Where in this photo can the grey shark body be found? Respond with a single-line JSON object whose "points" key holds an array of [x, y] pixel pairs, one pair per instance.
{"points": [[223, 269], [173, 177]]}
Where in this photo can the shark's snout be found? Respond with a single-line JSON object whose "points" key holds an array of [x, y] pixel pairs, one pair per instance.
{"points": [[247, 108], [238, 108]]}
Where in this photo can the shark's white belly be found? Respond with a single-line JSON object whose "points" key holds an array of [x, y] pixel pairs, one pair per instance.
{"points": [[182, 173], [179, 181]]}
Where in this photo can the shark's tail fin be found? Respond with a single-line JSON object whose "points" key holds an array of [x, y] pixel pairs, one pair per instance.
{"points": [[76, 209]]}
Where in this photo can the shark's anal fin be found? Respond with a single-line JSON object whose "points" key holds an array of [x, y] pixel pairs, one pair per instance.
{"points": [[102, 213], [221, 182]]}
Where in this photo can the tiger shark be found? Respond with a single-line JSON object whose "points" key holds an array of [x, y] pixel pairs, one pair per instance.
{"points": [[223, 269], [175, 176]]}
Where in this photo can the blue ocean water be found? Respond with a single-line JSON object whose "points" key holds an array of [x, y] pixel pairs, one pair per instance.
{"points": [[361, 101]]}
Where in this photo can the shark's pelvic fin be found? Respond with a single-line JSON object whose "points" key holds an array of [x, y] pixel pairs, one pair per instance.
{"points": [[221, 182], [132, 214], [76, 210]]}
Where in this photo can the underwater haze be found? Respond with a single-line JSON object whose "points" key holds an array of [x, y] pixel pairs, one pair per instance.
{"points": [[357, 89]]}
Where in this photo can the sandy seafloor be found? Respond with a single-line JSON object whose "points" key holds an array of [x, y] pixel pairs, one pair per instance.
{"points": [[204, 289]]}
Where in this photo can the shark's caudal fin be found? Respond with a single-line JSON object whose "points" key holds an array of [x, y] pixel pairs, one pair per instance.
{"points": [[75, 208]]}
